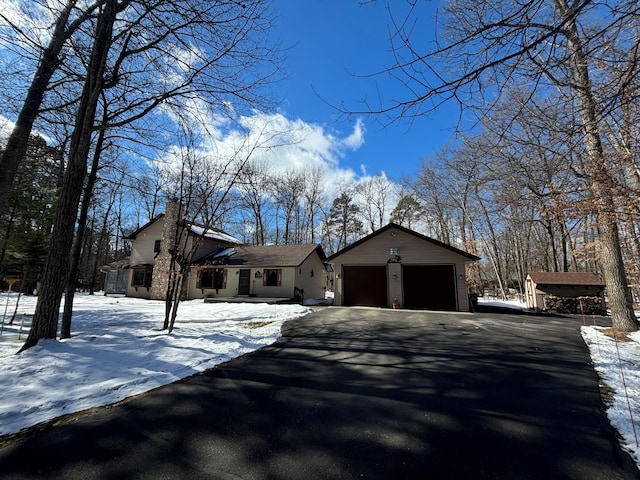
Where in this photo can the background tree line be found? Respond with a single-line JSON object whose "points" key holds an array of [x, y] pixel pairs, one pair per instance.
{"points": [[515, 204], [547, 178]]}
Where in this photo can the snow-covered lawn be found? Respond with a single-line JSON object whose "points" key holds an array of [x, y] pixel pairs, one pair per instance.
{"points": [[118, 350], [617, 362]]}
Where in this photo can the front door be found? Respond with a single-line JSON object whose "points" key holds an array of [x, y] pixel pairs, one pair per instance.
{"points": [[243, 282]]}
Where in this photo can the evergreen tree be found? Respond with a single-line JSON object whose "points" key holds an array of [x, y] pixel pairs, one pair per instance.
{"points": [[343, 220], [25, 223]]}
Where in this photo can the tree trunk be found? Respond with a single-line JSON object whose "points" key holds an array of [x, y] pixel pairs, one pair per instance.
{"points": [[17, 142], [56, 268], [622, 315], [65, 328]]}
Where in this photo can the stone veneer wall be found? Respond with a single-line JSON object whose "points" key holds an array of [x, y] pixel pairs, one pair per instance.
{"points": [[163, 261]]}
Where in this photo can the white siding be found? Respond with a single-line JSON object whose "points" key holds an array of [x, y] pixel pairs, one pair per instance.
{"points": [[314, 287], [142, 247]]}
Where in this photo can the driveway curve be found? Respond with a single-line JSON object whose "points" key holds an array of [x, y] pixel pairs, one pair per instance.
{"points": [[359, 393]]}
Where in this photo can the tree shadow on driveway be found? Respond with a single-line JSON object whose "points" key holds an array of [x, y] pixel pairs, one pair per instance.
{"points": [[359, 393]]}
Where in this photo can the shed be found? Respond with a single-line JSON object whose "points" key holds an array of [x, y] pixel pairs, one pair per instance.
{"points": [[540, 285], [398, 267]]}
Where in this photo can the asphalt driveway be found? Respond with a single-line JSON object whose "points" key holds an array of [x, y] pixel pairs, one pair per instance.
{"points": [[359, 393]]}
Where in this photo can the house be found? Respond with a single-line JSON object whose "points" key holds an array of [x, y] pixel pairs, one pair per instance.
{"points": [[398, 267], [540, 285], [222, 266], [149, 262], [274, 271]]}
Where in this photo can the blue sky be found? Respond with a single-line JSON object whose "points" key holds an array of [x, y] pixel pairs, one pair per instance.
{"points": [[333, 41], [334, 47]]}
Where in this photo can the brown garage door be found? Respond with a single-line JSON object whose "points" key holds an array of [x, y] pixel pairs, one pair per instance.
{"points": [[432, 287], [365, 285]]}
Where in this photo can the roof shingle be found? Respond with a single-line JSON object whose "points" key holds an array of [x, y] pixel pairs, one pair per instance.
{"points": [[265, 255], [566, 278]]}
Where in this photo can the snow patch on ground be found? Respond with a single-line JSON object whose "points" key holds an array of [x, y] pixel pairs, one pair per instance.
{"points": [[617, 362], [119, 350]]}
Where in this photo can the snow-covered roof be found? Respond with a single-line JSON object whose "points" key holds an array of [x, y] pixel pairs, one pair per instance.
{"points": [[227, 252], [194, 228], [213, 234]]}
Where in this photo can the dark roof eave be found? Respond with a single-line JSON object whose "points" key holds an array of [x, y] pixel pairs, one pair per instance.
{"points": [[135, 233], [469, 256], [244, 260]]}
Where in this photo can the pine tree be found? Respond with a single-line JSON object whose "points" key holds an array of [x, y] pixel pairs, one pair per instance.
{"points": [[344, 221]]}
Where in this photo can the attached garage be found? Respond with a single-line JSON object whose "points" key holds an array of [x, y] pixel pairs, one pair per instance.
{"points": [[396, 266]]}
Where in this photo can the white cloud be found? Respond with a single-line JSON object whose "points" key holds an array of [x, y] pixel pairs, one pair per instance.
{"points": [[356, 139], [31, 18], [281, 143], [6, 126]]}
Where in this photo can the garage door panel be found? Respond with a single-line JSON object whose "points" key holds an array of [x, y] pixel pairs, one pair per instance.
{"points": [[365, 285], [431, 287]]}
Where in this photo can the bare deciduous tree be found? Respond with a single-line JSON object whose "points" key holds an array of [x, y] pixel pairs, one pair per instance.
{"points": [[571, 47], [160, 54], [68, 20], [373, 194]]}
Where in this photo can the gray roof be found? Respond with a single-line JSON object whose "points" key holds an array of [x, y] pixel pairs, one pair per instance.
{"points": [[263, 256]]}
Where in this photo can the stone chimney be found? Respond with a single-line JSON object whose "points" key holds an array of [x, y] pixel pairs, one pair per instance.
{"points": [[168, 238]]}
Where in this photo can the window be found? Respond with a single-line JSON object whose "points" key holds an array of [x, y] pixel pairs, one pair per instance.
{"points": [[156, 246], [272, 277], [212, 278], [142, 277]]}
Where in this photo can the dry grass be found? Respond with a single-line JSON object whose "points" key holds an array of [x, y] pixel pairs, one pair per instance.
{"points": [[606, 393], [617, 335], [258, 324]]}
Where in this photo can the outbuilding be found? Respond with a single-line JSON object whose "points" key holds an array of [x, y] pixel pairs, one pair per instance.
{"points": [[400, 268], [540, 286]]}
